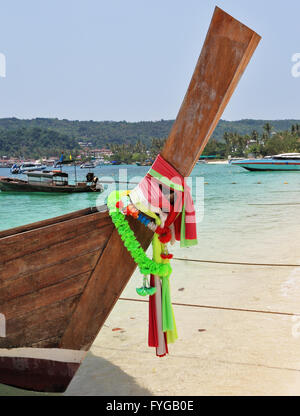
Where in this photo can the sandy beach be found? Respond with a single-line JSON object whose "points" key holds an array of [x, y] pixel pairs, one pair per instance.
{"points": [[241, 339]]}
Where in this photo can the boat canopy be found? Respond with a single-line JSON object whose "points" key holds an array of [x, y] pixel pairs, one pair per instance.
{"points": [[287, 156], [47, 174]]}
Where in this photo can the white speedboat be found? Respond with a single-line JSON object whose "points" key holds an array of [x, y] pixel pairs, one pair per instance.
{"points": [[87, 166], [286, 161], [234, 159], [27, 167]]}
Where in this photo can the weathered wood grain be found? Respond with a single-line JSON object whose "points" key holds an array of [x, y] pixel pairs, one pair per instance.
{"points": [[40, 325], [23, 305], [10, 289], [103, 290], [227, 50], [56, 253], [19, 245], [52, 342], [40, 224]]}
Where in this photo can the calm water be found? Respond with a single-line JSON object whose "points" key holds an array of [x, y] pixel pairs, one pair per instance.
{"points": [[248, 216], [252, 210]]}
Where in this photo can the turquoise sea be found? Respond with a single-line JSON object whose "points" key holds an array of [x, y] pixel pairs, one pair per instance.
{"points": [[246, 214]]}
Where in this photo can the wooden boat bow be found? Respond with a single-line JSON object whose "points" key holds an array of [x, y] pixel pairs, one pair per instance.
{"points": [[59, 278]]}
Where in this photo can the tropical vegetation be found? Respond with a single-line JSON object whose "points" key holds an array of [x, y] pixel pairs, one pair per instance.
{"points": [[141, 141]]}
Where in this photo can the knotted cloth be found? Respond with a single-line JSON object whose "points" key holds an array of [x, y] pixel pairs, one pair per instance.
{"points": [[164, 196], [154, 192]]}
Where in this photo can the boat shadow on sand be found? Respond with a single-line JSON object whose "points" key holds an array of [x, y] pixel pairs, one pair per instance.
{"points": [[99, 377], [95, 377]]}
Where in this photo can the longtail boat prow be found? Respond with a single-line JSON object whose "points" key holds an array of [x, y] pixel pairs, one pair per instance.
{"points": [[59, 279]]}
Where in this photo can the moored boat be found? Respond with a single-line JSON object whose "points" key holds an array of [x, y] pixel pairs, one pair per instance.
{"points": [[282, 162], [49, 181]]}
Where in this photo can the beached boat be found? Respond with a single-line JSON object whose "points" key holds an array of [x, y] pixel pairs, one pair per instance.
{"points": [[49, 181], [283, 162], [60, 278]]}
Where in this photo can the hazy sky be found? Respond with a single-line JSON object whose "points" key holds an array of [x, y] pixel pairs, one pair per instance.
{"points": [[133, 59]]}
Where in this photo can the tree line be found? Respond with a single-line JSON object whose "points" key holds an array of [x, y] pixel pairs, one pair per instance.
{"points": [[31, 140], [136, 153], [35, 143], [268, 143], [105, 133]]}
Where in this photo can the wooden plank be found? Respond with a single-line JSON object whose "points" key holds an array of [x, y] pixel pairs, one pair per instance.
{"points": [[55, 254], [10, 289], [27, 330], [23, 305], [103, 290], [228, 48], [18, 245], [55, 220], [226, 52]]}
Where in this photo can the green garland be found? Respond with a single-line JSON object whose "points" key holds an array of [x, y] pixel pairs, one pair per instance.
{"points": [[146, 265]]}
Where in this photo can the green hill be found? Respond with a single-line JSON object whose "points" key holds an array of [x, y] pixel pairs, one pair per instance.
{"points": [[45, 136]]}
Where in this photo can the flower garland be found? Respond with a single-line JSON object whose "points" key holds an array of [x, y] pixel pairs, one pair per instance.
{"points": [[146, 265], [162, 326]]}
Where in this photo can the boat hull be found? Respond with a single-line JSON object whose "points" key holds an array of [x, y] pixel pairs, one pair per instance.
{"points": [[22, 186], [257, 166], [39, 369], [49, 271]]}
